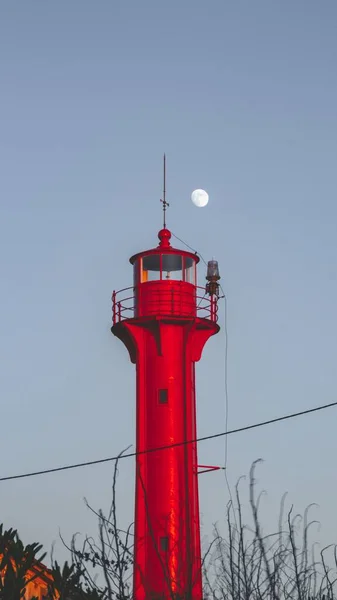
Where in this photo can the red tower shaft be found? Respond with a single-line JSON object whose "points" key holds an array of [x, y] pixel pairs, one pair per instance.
{"points": [[165, 338]]}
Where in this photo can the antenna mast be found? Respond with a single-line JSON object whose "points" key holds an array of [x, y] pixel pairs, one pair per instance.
{"points": [[165, 204]]}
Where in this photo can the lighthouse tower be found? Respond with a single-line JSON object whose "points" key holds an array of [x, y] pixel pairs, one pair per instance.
{"points": [[164, 319]]}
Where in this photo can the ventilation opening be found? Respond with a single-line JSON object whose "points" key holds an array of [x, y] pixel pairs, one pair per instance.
{"points": [[163, 396], [164, 544]]}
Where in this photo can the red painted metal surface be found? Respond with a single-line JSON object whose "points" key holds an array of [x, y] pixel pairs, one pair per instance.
{"points": [[208, 469], [171, 299], [164, 321]]}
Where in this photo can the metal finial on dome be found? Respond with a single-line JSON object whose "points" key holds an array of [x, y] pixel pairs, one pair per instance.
{"points": [[163, 200], [164, 236]]}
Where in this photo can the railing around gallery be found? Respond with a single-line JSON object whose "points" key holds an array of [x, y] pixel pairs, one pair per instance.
{"points": [[166, 302]]}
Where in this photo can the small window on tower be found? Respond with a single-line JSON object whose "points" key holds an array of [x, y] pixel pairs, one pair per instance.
{"points": [[164, 544], [163, 396]]}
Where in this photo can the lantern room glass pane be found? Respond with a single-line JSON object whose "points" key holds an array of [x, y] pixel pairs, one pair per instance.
{"points": [[190, 270], [150, 270], [155, 267], [136, 272], [172, 267]]}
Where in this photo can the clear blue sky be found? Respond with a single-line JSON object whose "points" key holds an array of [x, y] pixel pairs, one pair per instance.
{"points": [[242, 97]]}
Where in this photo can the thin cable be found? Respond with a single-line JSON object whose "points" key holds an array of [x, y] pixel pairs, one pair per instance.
{"points": [[159, 448], [189, 247], [195, 252], [227, 403], [226, 345], [226, 378], [226, 359]]}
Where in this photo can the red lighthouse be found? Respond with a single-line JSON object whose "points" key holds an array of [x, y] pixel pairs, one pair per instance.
{"points": [[164, 320]]}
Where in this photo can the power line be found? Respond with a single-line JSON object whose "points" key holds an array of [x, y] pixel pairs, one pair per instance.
{"points": [[159, 448]]}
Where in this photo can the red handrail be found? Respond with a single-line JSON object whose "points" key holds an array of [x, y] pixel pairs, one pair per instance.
{"points": [[206, 307]]}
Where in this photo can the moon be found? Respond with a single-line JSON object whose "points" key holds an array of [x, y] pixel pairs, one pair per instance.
{"points": [[199, 198]]}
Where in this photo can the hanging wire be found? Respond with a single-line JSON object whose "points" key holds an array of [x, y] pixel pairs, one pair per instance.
{"points": [[226, 400], [189, 247]]}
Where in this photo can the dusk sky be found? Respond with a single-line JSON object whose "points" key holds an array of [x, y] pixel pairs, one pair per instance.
{"points": [[242, 97]]}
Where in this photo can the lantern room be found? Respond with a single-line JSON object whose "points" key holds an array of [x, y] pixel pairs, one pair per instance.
{"points": [[165, 280]]}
